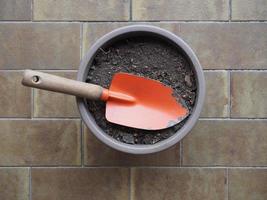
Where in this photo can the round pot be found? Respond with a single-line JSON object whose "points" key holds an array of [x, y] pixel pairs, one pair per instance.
{"points": [[138, 30]]}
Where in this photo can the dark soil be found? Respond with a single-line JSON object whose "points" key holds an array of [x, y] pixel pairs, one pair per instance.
{"points": [[148, 57]]}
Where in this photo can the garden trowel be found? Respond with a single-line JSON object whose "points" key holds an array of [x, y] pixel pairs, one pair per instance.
{"points": [[131, 100]]}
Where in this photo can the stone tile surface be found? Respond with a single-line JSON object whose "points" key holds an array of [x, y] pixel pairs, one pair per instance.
{"points": [[217, 45], [217, 97], [80, 184], [15, 100], [226, 143], [249, 10], [82, 10], [51, 104], [43, 156], [249, 94], [179, 183], [39, 45], [93, 31], [14, 183], [15, 10], [111, 157], [39, 142], [180, 10], [227, 45], [247, 184]]}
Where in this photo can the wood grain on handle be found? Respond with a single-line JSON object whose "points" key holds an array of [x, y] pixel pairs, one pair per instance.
{"points": [[54, 83]]}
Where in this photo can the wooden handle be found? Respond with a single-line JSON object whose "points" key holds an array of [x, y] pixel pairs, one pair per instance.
{"points": [[54, 83]]}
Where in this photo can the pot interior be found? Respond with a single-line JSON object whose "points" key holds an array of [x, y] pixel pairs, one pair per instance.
{"points": [[110, 58]]}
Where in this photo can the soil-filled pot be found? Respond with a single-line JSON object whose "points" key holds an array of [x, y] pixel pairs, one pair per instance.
{"points": [[140, 35]]}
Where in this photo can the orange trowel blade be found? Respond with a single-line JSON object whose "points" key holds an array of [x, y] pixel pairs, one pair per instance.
{"points": [[154, 106]]}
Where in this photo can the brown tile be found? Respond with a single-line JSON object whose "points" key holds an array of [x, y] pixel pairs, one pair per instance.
{"points": [[14, 183], [99, 10], [180, 10], [217, 45], [39, 45], [249, 10], [247, 184], [226, 142], [93, 31], [51, 104], [111, 157], [227, 45], [80, 183], [40, 142], [15, 100], [178, 183], [216, 100], [249, 94], [15, 10]]}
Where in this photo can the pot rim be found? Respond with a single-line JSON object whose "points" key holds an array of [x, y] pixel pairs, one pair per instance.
{"points": [[138, 148]]}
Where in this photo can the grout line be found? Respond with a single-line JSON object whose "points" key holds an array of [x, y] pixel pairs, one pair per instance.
{"points": [[65, 167], [230, 10], [39, 118], [204, 167], [75, 70], [32, 103], [201, 21], [131, 10], [78, 118], [30, 183], [61, 21], [181, 153], [82, 143], [236, 70], [42, 69], [247, 70], [32, 10], [81, 40], [229, 94], [145, 167], [232, 119], [227, 182], [45, 70], [130, 184], [215, 70], [54, 166], [224, 167], [135, 21]]}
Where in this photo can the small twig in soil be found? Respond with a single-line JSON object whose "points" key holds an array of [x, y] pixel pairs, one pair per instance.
{"points": [[105, 52]]}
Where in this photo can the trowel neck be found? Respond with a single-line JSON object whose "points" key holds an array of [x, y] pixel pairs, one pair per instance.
{"points": [[107, 95]]}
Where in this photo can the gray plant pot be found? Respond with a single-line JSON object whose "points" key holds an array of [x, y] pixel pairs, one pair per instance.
{"points": [[135, 30]]}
